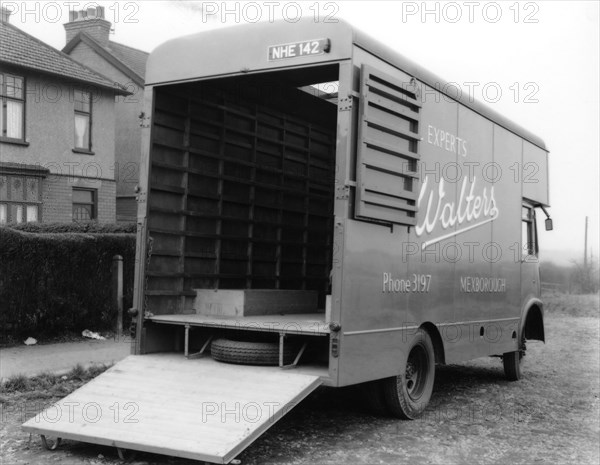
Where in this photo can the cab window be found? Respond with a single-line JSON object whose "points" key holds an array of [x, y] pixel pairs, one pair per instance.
{"points": [[529, 233]]}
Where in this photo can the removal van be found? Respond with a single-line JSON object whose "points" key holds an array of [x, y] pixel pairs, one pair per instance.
{"points": [[314, 209]]}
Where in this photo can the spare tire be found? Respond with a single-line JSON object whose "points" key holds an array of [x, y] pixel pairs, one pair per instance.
{"points": [[251, 353]]}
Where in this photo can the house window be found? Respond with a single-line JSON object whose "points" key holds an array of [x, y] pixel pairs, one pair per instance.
{"points": [[12, 116], [20, 199], [84, 204], [83, 120]]}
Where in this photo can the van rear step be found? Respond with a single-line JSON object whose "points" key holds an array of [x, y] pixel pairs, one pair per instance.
{"points": [[166, 404]]}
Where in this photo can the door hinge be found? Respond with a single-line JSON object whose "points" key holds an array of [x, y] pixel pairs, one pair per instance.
{"points": [[345, 103], [342, 192], [144, 120], [335, 347]]}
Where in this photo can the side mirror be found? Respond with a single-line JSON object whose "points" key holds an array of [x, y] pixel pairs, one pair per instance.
{"points": [[548, 223]]}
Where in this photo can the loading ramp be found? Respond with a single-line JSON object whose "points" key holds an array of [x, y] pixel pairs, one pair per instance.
{"points": [[165, 404]]}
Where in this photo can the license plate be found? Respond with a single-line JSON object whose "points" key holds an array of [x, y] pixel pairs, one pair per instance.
{"points": [[299, 49]]}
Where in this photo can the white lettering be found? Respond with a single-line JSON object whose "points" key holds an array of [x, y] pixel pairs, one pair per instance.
{"points": [[446, 140], [448, 213], [471, 284]]}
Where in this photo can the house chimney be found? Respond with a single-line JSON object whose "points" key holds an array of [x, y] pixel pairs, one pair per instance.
{"points": [[5, 15], [90, 21]]}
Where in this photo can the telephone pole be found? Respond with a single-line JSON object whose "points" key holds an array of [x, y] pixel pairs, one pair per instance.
{"points": [[585, 245]]}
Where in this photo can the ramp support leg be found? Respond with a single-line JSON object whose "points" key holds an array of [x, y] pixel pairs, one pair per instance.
{"points": [[123, 454], [186, 340], [281, 338], [50, 446], [296, 360], [200, 353]]}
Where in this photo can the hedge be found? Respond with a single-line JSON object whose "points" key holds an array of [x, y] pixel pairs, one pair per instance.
{"points": [[52, 284], [91, 227]]}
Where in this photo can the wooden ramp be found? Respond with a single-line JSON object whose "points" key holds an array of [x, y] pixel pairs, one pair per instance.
{"points": [[166, 404]]}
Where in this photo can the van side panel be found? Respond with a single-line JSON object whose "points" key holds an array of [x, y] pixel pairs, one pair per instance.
{"points": [[432, 242], [505, 308], [372, 320], [464, 248], [475, 213]]}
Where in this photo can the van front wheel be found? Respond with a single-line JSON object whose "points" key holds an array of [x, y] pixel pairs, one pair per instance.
{"points": [[408, 394], [512, 362]]}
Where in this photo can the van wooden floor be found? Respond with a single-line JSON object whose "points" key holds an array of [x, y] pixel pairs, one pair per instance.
{"points": [[306, 323]]}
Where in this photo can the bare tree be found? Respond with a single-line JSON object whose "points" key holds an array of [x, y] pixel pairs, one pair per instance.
{"points": [[585, 276]]}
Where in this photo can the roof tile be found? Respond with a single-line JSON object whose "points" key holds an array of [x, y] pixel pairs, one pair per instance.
{"points": [[132, 57], [21, 49]]}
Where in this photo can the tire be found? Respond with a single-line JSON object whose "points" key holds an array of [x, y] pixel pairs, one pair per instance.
{"points": [[408, 394], [512, 363], [250, 353]]}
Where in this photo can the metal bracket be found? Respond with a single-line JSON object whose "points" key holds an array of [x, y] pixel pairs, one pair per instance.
{"points": [[417, 89], [335, 347], [186, 345], [50, 446], [281, 338], [186, 340], [296, 360], [124, 456], [342, 192], [141, 197], [144, 120], [345, 103], [200, 353]]}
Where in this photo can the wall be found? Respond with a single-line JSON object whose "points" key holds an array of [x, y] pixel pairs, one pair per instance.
{"points": [[128, 131], [58, 198], [49, 132]]}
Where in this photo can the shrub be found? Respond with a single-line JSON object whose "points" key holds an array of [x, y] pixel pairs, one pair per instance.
{"points": [[90, 227], [16, 383], [77, 372], [51, 283]]}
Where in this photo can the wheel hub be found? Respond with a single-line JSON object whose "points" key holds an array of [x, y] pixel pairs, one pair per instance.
{"points": [[416, 372]]}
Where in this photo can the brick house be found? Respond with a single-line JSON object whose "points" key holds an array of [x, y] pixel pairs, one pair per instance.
{"points": [[88, 42], [57, 139]]}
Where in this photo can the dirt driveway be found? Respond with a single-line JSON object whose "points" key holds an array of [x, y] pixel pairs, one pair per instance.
{"points": [[551, 416]]}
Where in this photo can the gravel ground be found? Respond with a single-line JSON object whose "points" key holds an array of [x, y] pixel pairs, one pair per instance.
{"points": [[550, 416]]}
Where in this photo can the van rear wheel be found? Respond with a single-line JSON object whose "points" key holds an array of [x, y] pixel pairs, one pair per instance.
{"points": [[372, 392], [408, 394]]}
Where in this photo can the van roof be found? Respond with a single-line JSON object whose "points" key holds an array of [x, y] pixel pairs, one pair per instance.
{"points": [[242, 49]]}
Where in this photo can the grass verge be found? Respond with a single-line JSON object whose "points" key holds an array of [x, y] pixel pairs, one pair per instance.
{"points": [[575, 305], [47, 385]]}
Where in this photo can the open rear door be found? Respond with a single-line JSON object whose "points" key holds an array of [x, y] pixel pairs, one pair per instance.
{"points": [[166, 404], [387, 174]]}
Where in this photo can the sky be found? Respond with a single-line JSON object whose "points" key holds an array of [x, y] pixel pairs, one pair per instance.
{"points": [[543, 56]]}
